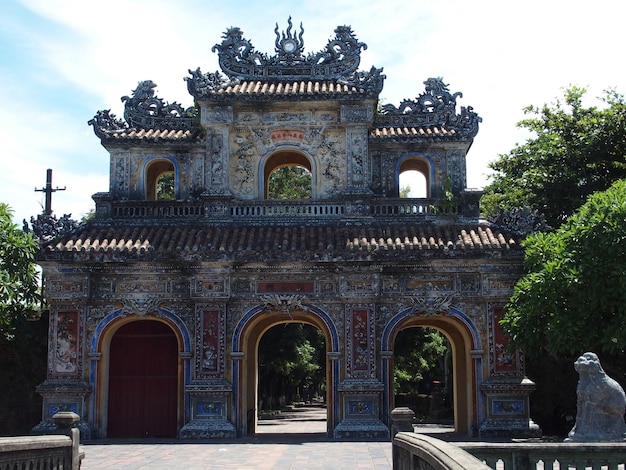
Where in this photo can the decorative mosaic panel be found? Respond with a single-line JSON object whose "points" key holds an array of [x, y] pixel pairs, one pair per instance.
{"points": [[65, 351], [210, 287], [359, 285], [284, 287], [438, 284], [208, 409], [120, 170], [134, 286], [501, 361], [360, 341], [356, 113], [507, 407], [357, 150], [500, 285], [287, 117], [210, 337], [217, 114], [469, 283], [67, 288], [360, 408], [54, 408], [391, 285]]}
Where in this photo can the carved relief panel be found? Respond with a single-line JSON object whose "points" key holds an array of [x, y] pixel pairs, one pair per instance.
{"points": [[210, 340], [65, 343], [360, 341]]}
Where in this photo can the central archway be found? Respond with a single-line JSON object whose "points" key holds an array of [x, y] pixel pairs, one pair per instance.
{"points": [[247, 335], [291, 378]]}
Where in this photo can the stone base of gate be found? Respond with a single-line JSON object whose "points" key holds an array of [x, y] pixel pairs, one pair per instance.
{"points": [[356, 429], [208, 416], [208, 429], [508, 416], [512, 428]]}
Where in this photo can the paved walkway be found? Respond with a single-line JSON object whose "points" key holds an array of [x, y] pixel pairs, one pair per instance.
{"points": [[290, 441]]}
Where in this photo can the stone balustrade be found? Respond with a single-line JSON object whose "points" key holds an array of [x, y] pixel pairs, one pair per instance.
{"points": [[267, 209], [57, 452], [418, 452], [549, 455]]}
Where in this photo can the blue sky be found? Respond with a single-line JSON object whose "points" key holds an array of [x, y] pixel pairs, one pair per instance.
{"points": [[62, 60]]}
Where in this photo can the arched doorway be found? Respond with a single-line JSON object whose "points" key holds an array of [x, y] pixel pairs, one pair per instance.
{"points": [[423, 374], [291, 378], [246, 339], [160, 180], [287, 174], [414, 177], [143, 381], [463, 342]]}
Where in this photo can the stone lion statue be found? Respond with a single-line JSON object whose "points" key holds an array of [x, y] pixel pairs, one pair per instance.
{"points": [[601, 403]]}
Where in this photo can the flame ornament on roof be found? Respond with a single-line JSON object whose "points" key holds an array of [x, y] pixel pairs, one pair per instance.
{"points": [[239, 60], [435, 107]]}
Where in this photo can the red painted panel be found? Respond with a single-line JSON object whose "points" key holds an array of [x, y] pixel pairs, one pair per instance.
{"points": [[143, 381]]}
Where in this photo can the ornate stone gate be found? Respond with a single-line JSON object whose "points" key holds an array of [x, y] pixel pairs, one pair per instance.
{"points": [[219, 262]]}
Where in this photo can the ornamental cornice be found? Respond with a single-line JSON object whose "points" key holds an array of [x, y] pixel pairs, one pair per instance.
{"points": [[435, 108], [240, 61]]}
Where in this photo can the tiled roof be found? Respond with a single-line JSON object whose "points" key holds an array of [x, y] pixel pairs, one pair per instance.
{"points": [[153, 135], [434, 132], [252, 243], [272, 90]]}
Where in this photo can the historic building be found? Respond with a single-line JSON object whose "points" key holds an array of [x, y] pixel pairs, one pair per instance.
{"points": [[157, 305]]}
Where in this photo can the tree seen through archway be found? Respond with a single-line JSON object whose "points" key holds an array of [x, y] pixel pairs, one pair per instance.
{"points": [[423, 373], [292, 365], [290, 182]]}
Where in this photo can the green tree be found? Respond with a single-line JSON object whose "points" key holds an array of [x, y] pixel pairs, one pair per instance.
{"points": [[291, 364], [574, 152], [574, 295], [19, 288], [165, 187], [419, 353], [290, 182]]}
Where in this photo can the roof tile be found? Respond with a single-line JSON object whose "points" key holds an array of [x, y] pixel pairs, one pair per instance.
{"points": [[276, 241]]}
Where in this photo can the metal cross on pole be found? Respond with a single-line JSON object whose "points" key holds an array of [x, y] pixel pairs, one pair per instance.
{"points": [[49, 190]]}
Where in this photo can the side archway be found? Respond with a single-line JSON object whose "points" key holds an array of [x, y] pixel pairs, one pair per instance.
{"points": [[467, 363], [246, 337], [419, 165], [154, 170], [160, 326]]}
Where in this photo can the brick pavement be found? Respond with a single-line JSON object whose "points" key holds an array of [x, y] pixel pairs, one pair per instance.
{"points": [[291, 441]]}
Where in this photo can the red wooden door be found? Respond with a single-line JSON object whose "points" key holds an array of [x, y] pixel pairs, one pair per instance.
{"points": [[143, 381]]}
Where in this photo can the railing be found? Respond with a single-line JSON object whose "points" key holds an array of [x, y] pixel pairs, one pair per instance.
{"points": [[148, 209], [58, 452], [45, 452], [287, 209], [216, 209], [420, 452], [404, 207], [549, 455]]}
